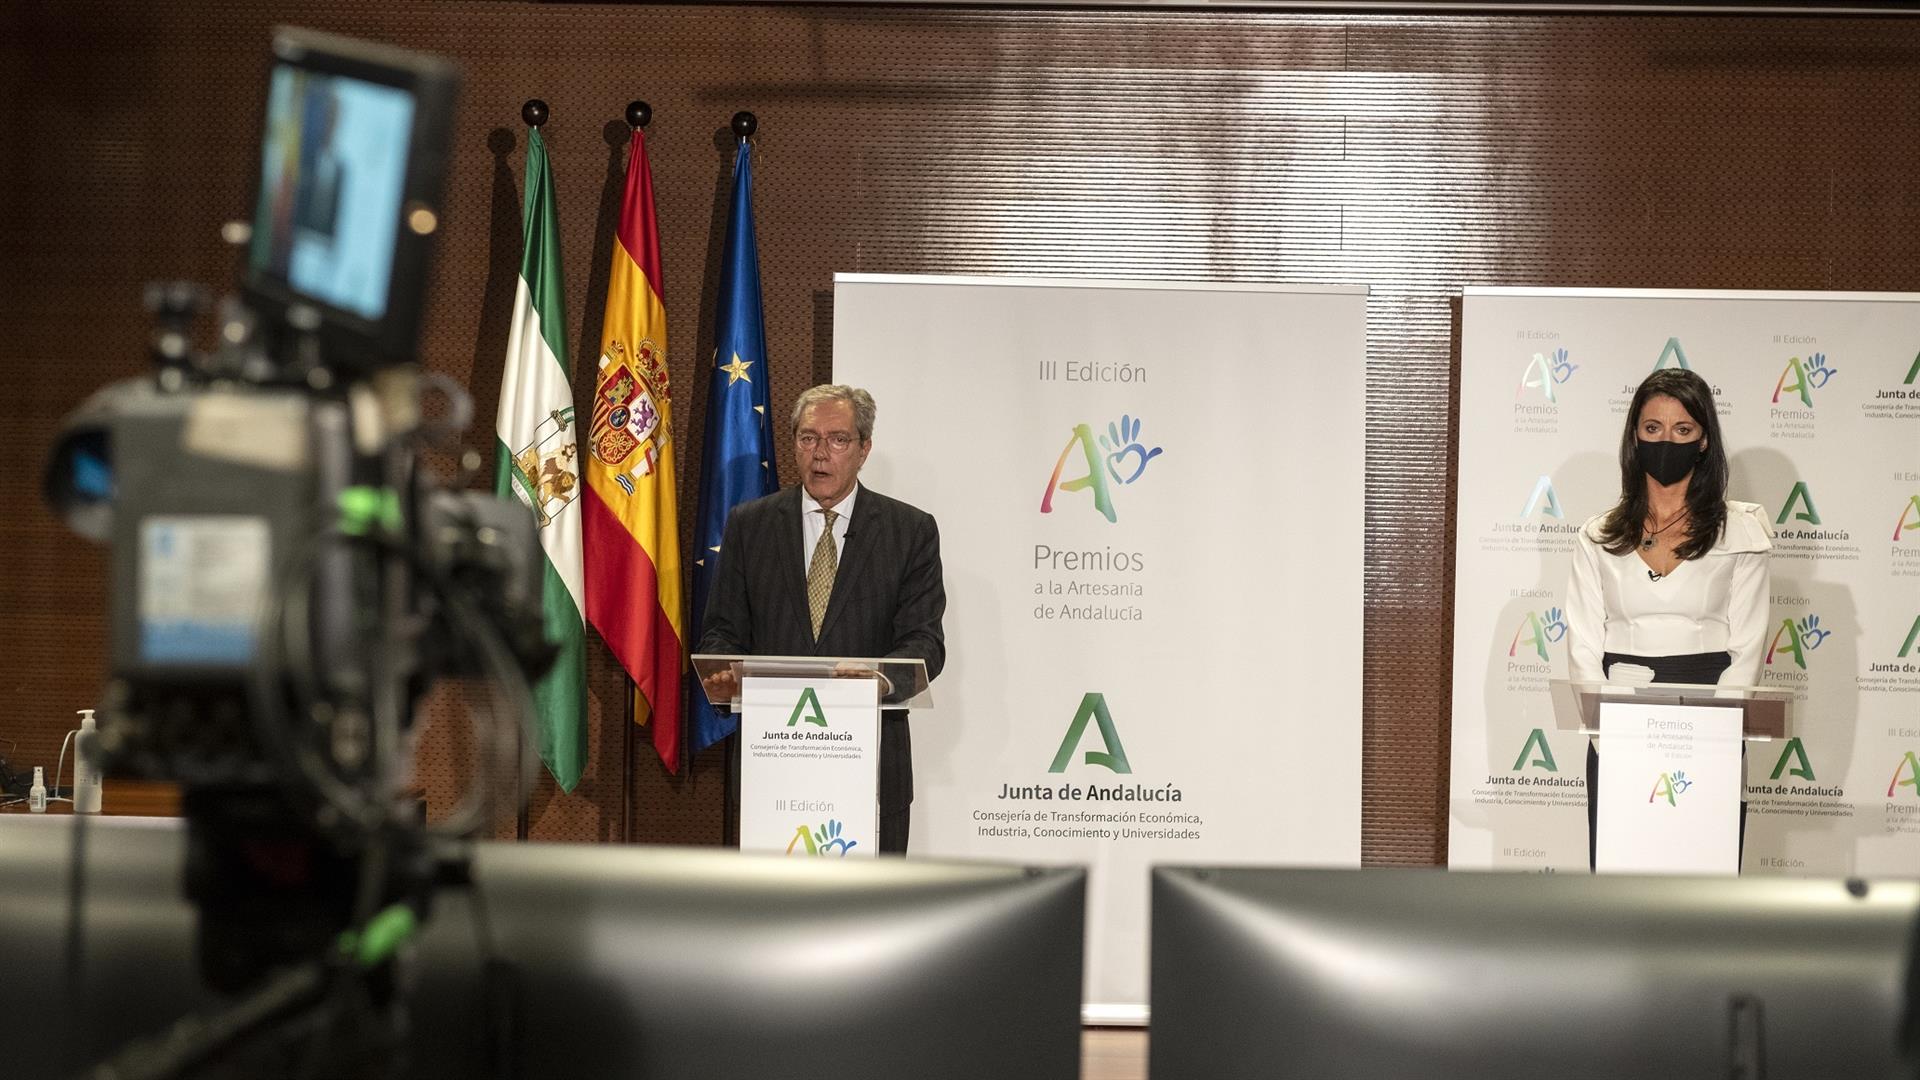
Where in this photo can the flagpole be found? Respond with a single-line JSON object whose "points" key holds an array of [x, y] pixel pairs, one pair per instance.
{"points": [[534, 114], [639, 114], [744, 124]]}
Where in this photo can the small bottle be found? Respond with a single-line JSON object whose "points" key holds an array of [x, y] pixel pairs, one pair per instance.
{"points": [[37, 795], [86, 768]]}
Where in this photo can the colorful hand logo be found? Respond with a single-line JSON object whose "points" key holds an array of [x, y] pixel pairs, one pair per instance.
{"points": [[822, 841], [1556, 625], [1681, 783], [1123, 439], [827, 838], [1563, 369], [1810, 633], [1817, 370]]}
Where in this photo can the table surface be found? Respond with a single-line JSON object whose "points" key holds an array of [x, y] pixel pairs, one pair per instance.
{"points": [[124, 798]]}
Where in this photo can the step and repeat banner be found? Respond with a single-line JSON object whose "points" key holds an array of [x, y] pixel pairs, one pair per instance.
{"points": [[1151, 528], [1819, 401]]}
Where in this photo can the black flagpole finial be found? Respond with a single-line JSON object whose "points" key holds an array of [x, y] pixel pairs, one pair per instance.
{"points": [[534, 112], [744, 124], [639, 114]]}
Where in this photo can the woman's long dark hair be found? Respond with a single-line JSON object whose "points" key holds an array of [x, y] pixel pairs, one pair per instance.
{"points": [[1621, 529]]}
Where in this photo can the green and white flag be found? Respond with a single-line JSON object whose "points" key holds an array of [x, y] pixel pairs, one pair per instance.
{"points": [[537, 460]]}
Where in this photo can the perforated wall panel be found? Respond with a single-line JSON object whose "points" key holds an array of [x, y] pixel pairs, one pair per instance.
{"points": [[1412, 154]]}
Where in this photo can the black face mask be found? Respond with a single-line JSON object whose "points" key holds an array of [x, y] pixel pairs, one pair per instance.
{"points": [[1669, 462]]}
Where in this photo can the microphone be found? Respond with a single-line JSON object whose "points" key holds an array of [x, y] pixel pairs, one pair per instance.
{"points": [[1652, 576]]}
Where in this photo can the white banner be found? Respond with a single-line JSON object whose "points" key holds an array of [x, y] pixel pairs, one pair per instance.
{"points": [[1819, 400], [810, 766], [1150, 508]]}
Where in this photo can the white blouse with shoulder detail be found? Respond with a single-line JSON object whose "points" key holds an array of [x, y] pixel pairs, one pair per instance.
{"points": [[1717, 601]]}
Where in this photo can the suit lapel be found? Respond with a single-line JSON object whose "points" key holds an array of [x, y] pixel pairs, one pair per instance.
{"points": [[861, 535], [793, 580]]}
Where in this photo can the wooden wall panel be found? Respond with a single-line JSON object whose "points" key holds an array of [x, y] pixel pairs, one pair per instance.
{"points": [[1412, 154]]}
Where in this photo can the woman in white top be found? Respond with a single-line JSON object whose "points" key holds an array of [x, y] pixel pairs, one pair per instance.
{"points": [[1671, 584]]}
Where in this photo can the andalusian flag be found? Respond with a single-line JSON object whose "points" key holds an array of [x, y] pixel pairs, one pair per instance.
{"points": [[632, 526], [538, 461], [737, 464]]}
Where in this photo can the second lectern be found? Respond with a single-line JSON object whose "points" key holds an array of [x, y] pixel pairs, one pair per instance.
{"points": [[1672, 774]]}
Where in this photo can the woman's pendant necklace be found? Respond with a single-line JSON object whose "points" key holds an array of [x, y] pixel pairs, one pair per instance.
{"points": [[1646, 544]]}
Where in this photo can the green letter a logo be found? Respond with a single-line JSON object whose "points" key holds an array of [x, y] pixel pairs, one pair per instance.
{"points": [[1536, 741], [1799, 494], [1913, 371], [1907, 646], [1543, 489], [1797, 752], [816, 715], [1094, 707], [1673, 351]]}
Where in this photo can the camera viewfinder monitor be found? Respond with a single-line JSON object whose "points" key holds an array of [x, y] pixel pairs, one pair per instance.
{"points": [[352, 160], [1365, 974]]}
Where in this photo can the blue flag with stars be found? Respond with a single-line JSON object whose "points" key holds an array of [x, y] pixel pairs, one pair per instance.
{"points": [[736, 464]]}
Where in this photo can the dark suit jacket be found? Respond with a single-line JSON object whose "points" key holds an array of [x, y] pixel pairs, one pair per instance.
{"points": [[887, 600]]}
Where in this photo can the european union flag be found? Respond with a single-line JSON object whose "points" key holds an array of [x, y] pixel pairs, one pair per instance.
{"points": [[736, 464]]}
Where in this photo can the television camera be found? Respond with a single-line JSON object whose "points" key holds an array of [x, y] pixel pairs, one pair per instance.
{"points": [[287, 578]]}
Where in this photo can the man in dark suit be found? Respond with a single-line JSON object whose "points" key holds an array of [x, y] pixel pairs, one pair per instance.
{"points": [[833, 568]]}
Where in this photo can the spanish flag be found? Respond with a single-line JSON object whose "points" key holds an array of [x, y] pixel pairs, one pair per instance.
{"points": [[632, 530]]}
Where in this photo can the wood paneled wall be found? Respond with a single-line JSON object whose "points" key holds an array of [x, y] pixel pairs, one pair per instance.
{"points": [[1413, 154]]}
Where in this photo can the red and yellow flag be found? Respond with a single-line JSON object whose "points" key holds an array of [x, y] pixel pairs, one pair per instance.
{"points": [[632, 530]]}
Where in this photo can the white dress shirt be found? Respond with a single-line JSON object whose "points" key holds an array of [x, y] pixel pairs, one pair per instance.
{"points": [[814, 523], [1717, 601]]}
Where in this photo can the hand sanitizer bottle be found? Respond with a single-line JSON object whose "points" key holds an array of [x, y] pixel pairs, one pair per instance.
{"points": [[86, 769], [37, 795]]}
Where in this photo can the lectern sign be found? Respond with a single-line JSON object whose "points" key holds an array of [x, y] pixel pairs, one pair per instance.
{"points": [[809, 766], [1669, 789]]}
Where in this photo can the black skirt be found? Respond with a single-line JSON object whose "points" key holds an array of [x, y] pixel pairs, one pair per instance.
{"points": [[1699, 669]]}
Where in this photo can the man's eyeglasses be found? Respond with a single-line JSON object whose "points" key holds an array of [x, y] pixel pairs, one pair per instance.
{"points": [[838, 442]]}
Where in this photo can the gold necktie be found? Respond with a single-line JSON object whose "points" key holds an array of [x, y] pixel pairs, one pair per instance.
{"points": [[826, 560]]}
